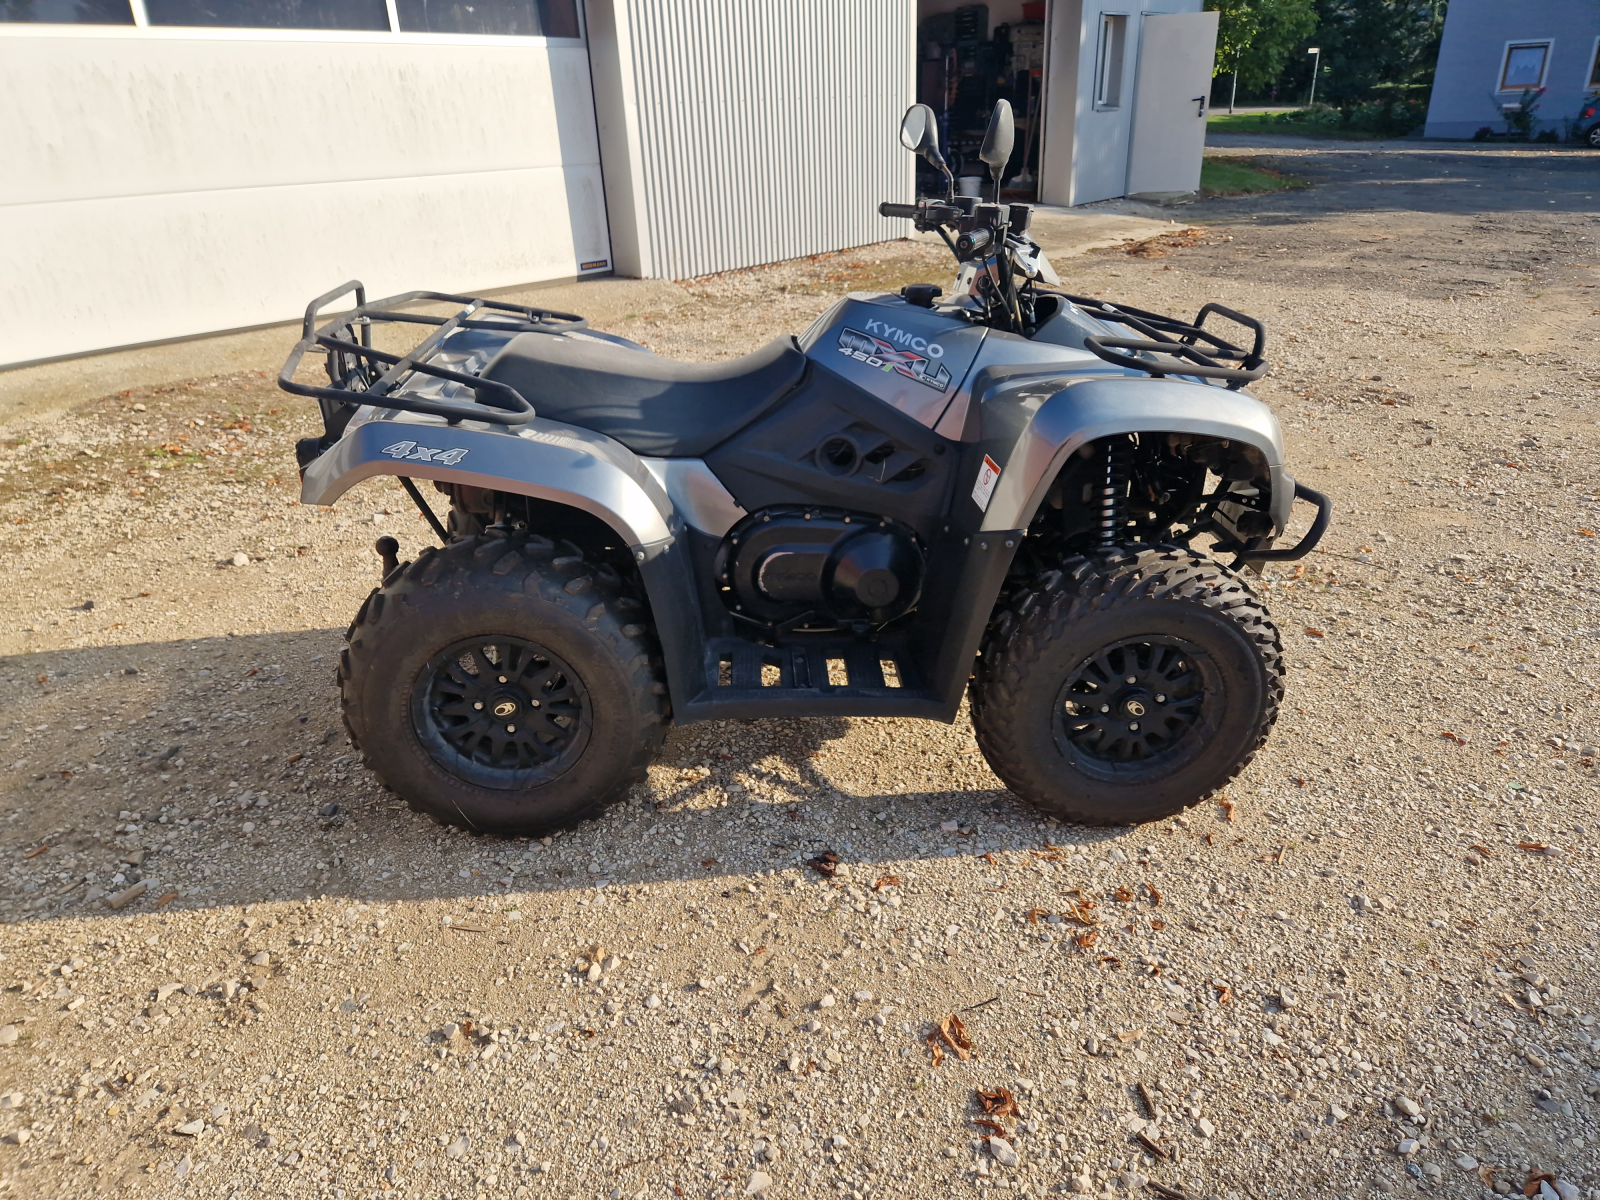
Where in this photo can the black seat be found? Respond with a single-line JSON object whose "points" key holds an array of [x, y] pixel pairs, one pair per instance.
{"points": [[654, 406]]}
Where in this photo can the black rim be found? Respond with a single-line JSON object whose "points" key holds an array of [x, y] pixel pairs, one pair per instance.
{"points": [[501, 712], [1134, 702]]}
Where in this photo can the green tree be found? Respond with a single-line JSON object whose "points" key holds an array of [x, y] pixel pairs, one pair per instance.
{"points": [[1370, 43], [1256, 37]]}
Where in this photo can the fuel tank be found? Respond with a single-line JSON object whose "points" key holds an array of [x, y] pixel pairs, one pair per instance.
{"points": [[911, 357]]}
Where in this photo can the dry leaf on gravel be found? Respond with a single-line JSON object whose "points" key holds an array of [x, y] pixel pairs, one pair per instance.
{"points": [[998, 1103], [1534, 847], [1454, 737], [1122, 895], [1163, 243], [952, 1033], [886, 881], [992, 1127], [1155, 896], [1224, 993], [1086, 939], [1080, 912], [1033, 915], [1227, 808], [825, 864]]}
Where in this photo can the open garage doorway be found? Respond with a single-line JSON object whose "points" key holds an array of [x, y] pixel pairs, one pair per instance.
{"points": [[969, 56], [1109, 96]]}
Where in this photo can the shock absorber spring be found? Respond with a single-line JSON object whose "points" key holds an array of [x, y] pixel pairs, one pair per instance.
{"points": [[1114, 492]]}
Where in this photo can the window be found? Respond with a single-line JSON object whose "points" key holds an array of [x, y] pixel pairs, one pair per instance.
{"points": [[1594, 65], [521, 18], [66, 12], [1524, 66], [1108, 70], [270, 14]]}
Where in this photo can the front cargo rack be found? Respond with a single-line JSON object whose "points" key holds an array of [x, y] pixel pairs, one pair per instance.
{"points": [[1173, 347], [362, 374]]}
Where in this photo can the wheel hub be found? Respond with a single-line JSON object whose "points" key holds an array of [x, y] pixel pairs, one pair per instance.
{"points": [[501, 711], [1133, 700], [1134, 704]]}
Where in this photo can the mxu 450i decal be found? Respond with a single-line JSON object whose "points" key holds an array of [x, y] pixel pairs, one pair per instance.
{"points": [[876, 352]]}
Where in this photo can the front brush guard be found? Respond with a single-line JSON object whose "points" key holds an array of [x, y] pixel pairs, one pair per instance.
{"points": [[1300, 549]]}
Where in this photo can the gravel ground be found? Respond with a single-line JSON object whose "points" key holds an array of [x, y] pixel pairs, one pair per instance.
{"points": [[234, 966]]}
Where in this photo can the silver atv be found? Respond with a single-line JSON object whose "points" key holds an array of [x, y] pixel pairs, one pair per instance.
{"points": [[1010, 493]]}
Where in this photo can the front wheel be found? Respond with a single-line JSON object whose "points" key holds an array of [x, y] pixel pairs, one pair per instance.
{"points": [[1127, 686], [504, 685]]}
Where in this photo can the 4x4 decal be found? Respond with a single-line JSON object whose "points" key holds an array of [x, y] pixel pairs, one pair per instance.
{"points": [[411, 452], [876, 352]]}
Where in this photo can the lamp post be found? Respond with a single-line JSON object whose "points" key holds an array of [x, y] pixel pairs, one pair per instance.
{"points": [[1316, 64]]}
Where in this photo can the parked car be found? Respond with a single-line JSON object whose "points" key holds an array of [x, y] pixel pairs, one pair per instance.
{"points": [[1588, 128]]}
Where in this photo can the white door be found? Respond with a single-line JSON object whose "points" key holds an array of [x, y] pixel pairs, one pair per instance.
{"points": [[1176, 51]]}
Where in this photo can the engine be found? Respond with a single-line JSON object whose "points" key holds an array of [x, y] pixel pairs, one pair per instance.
{"points": [[819, 568]]}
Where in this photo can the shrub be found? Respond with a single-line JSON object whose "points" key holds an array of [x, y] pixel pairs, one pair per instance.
{"points": [[1386, 118], [1381, 118]]}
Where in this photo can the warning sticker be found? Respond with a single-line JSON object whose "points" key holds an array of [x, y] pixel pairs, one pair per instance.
{"points": [[988, 476]]}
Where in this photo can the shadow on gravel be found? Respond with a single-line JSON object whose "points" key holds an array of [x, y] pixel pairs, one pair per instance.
{"points": [[238, 744]]}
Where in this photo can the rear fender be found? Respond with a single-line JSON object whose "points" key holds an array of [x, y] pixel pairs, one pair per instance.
{"points": [[568, 465], [544, 459], [1031, 426]]}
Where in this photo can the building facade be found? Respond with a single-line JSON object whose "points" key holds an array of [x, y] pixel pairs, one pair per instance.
{"points": [[1498, 57], [184, 167], [179, 167]]}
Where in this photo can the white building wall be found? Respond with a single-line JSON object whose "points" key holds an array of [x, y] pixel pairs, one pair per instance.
{"points": [[159, 183], [737, 132]]}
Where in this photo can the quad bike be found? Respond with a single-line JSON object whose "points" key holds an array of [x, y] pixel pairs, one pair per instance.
{"points": [[998, 494]]}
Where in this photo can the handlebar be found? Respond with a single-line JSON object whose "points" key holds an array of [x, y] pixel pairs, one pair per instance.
{"points": [[927, 213], [971, 245]]}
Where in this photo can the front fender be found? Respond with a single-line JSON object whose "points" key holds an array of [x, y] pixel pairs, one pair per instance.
{"points": [[544, 459], [1031, 426]]}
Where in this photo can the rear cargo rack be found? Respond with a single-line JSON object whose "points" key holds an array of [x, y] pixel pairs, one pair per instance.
{"points": [[361, 374], [1171, 346]]}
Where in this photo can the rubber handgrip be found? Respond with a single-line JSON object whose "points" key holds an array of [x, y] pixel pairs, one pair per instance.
{"points": [[888, 209]]}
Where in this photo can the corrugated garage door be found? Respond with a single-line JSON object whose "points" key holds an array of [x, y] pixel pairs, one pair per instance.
{"points": [[737, 132]]}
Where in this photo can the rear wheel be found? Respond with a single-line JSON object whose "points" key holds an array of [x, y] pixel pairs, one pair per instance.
{"points": [[504, 685], [1126, 687]]}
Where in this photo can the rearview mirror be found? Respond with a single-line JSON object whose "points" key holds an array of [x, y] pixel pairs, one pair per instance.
{"points": [[998, 140], [919, 130]]}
